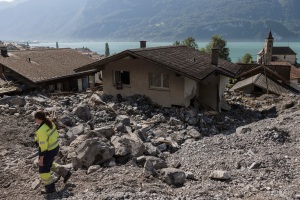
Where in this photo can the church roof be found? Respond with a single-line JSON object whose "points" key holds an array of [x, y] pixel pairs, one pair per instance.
{"points": [[270, 35], [283, 51]]}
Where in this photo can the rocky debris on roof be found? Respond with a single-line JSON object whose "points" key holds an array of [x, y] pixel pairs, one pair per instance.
{"points": [[129, 147]]}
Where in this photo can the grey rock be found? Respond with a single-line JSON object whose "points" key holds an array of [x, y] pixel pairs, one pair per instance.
{"points": [[149, 169], [12, 110], [74, 132], [150, 149], [66, 120], [128, 145], [194, 134], [173, 176], [106, 131], [242, 130], [17, 101], [121, 128], [94, 151], [190, 175], [124, 119], [192, 121], [82, 112], [175, 122], [220, 175], [96, 99], [158, 163], [93, 169], [162, 147], [142, 135], [179, 136]]}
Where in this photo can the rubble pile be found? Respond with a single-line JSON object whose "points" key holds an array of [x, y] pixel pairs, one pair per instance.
{"points": [[131, 148]]}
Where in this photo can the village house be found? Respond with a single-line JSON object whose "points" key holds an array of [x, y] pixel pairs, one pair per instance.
{"points": [[270, 53], [274, 72], [272, 77], [50, 69], [170, 75]]}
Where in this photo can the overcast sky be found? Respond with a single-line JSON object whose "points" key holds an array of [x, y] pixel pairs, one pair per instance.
{"points": [[6, 0]]}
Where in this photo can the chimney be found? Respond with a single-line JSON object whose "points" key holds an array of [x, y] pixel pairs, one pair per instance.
{"points": [[143, 44], [215, 55], [3, 51]]}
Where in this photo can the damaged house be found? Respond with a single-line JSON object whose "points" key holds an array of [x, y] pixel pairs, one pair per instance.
{"points": [[50, 69], [170, 76], [273, 78], [274, 72]]}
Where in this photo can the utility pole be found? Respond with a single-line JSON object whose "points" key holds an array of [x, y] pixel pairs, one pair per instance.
{"points": [[264, 66]]}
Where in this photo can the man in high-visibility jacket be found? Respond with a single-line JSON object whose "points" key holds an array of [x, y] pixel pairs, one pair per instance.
{"points": [[47, 140]]}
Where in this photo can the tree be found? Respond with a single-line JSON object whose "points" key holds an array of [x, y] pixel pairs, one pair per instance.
{"points": [[218, 41], [189, 41], [176, 43], [57, 45], [107, 50], [247, 58]]}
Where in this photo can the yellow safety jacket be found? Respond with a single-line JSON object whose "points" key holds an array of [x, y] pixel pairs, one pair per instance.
{"points": [[46, 138]]}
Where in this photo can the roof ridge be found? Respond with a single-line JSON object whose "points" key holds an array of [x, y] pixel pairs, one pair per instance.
{"points": [[154, 48], [50, 49]]}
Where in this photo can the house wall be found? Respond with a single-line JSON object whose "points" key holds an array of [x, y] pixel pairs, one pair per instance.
{"points": [[190, 90], [139, 81], [289, 58], [208, 91]]}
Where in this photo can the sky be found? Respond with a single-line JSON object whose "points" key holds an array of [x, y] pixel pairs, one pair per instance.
{"points": [[7, 0]]}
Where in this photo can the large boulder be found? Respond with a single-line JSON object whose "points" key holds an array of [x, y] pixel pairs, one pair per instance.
{"points": [[82, 112], [106, 131], [94, 151], [173, 176], [74, 132], [157, 163], [128, 145]]}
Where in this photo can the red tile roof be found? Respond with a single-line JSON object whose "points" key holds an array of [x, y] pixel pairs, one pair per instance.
{"points": [[45, 65]]}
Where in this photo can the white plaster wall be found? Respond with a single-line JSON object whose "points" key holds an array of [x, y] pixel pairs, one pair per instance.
{"points": [[289, 58], [139, 81], [190, 90]]}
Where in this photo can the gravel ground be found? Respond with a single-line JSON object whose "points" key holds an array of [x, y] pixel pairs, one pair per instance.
{"points": [[261, 157]]}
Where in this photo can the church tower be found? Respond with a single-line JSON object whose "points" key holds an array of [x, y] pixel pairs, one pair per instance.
{"points": [[268, 48]]}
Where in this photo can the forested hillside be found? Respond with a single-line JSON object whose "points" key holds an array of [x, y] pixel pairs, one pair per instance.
{"points": [[164, 20]]}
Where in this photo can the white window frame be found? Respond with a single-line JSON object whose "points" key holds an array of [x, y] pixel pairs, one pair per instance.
{"points": [[161, 82]]}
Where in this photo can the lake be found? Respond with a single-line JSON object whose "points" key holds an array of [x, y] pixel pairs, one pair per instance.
{"points": [[237, 49]]}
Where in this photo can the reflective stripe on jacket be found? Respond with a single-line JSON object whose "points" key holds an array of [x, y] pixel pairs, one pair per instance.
{"points": [[47, 138]]}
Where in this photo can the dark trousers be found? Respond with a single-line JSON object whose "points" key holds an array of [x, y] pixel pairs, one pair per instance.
{"points": [[48, 160]]}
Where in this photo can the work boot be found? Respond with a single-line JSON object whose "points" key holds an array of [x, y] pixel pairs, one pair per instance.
{"points": [[66, 178], [49, 189]]}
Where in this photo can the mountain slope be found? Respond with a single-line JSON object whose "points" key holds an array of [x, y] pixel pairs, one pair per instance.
{"points": [[164, 20]]}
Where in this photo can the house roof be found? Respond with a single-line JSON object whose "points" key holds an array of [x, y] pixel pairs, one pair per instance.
{"points": [[295, 72], [279, 71], [181, 59], [259, 80], [45, 65], [282, 51]]}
